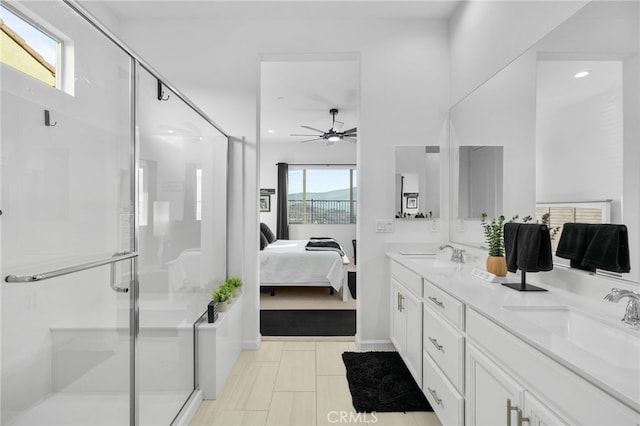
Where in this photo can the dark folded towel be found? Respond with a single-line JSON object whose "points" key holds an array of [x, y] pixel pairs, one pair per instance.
{"points": [[527, 247], [324, 245], [510, 231], [573, 241], [534, 248], [608, 248]]}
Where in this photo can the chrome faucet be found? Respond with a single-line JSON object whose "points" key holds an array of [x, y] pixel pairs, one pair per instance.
{"points": [[457, 255], [632, 312]]}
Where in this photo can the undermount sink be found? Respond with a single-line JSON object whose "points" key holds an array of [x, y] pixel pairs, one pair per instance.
{"points": [[613, 343], [434, 262]]}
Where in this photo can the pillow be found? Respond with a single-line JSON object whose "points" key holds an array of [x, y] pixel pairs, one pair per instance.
{"points": [[263, 241], [267, 232]]}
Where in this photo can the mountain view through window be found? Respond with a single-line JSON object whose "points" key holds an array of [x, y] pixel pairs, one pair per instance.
{"points": [[322, 196]]}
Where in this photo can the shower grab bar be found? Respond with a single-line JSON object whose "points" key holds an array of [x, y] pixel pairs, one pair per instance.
{"points": [[118, 257]]}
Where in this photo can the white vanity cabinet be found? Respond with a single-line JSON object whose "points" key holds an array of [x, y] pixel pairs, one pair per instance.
{"points": [[475, 368], [503, 371], [406, 317]]}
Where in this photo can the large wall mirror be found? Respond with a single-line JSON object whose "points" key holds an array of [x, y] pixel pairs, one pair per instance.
{"points": [[566, 112], [417, 182]]}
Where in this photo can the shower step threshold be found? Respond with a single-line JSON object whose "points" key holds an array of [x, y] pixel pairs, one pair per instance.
{"points": [[100, 409]]}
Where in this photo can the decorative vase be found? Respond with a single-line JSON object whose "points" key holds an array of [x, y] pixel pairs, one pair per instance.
{"points": [[222, 306], [497, 265]]}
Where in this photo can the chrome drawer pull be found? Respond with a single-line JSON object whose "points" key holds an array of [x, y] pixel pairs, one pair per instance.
{"points": [[436, 301], [435, 396], [435, 343]]}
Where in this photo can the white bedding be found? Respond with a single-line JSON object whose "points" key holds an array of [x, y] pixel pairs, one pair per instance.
{"points": [[287, 263]]}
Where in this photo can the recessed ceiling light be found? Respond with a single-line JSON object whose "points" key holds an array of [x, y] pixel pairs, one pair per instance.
{"points": [[171, 131], [582, 74], [271, 131]]}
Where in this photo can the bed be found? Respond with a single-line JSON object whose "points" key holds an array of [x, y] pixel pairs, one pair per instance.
{"points": [[286, 263]]}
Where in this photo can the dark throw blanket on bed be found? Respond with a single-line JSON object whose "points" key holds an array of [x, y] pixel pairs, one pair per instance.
{"points": [[324, 244]]}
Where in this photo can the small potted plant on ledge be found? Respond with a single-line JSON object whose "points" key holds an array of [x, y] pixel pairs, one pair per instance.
{"points": [[221, 297]]}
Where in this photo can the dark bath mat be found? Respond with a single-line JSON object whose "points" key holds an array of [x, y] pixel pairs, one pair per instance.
{"points": [[380, 382]]}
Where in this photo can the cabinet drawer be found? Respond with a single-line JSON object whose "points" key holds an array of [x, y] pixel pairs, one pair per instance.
{"points": [[445, 345], [447, 403], [408, 278], [446, 305]]}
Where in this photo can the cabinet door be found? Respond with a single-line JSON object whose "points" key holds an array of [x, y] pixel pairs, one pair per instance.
{"points": [[539, 414], [398, 318], [412, 308], [488, 388]]}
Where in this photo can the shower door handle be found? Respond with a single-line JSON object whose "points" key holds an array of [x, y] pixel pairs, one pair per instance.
{"points": [[118, 257], [112, 281]]}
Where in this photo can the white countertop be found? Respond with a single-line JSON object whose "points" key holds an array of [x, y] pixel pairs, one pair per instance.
{"points": [[490, 299]]}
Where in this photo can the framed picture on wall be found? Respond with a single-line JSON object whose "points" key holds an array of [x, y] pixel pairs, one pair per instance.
{"points": [[412, 202], [265, 203]]}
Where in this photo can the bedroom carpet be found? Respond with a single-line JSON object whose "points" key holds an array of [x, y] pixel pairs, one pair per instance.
{"points": [[380, 382], [304, 298], [307, 322]]}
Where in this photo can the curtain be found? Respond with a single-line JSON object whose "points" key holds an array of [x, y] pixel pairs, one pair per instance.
{"points": [[282, 222]]}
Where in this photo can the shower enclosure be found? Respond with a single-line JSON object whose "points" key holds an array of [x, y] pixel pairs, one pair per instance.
{"points": [[113, 233]]}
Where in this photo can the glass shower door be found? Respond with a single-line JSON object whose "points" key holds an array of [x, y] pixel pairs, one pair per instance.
{"points": [[181, 234], [67, 206]]}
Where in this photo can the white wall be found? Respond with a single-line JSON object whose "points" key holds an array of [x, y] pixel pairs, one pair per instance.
{"points": [[404, 81]]}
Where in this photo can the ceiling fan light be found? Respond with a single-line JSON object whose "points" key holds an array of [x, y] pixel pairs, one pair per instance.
{"points": [[334, 138]]}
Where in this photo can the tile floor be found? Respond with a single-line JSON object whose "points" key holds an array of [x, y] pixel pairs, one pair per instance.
{"points": [[294, 383]]}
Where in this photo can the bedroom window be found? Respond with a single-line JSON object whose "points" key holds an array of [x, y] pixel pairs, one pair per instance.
{"points": [[27, 48], [324, 195]]}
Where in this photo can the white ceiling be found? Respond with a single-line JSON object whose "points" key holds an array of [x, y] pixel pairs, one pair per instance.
{"points": [[296, 93], [280, 9], [299, 91]]}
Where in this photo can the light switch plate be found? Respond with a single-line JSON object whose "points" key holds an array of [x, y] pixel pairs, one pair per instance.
{"points": [[384, 225]]}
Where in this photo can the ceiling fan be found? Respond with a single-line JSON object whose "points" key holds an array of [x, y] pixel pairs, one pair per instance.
{"points": [[334, 134]]}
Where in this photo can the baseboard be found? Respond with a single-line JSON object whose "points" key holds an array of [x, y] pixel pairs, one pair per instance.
{"points": [[373, 345], [251, 345]]}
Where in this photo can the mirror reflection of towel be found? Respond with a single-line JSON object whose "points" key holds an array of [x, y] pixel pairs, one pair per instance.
{"points": [[573, 243], [528, 247], [595, 246]]}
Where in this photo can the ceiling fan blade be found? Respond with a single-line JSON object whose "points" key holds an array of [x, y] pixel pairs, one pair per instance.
{"points": [[337, 125], [355, 129], [311, 140], [311, 128], [294, 134]]}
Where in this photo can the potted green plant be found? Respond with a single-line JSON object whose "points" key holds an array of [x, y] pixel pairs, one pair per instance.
{"points": [[494, 237], [235, 284], [221, 297]]}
